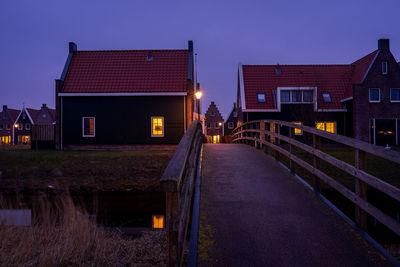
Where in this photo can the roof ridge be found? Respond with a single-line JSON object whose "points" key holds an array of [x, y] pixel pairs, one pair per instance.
{"points": [[132, 50], [299, 65]]}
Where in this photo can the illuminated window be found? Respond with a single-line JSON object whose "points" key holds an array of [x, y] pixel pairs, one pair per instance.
{"points": [[6, 139], [374, 95], [296, 130], [261, 98], [25, 139], [384, 68], [88, 127], [157, 126], [326, 126], [27, 126], [327, 97], [394, 95], [158, 221]]}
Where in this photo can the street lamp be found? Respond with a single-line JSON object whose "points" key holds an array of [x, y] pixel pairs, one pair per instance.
{"points": [[198, 96]]}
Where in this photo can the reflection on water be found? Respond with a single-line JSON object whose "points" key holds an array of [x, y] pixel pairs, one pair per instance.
{"points": [[16, 217]]}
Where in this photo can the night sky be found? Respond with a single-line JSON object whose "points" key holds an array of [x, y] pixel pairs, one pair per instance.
{"points": [[34, 36]]}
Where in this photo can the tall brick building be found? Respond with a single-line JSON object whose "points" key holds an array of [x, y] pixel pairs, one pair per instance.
{"points": [[214, 124], [361, 99]]}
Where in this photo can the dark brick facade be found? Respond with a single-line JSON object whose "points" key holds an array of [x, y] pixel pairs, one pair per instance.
{"points": [[213, 118], [363, 110], [231, 121]]}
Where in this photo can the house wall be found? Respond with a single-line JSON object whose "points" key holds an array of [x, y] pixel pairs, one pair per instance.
{"points": [[24, 121], [122, 120], [363, 109], [233, 119], [213, 117], [299, 112]]}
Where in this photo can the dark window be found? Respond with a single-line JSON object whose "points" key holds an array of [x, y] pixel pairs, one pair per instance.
{"points": [[230, 125], [384, 68], [308, 96], [7, 126], [27, 126], [327, 97], [209, 125], [235, 114], [296, 96], [374, 95], [394, 94], [1, 126], [285, 96], [212, 113], [149, 58], [261, 98], [216, 126]]}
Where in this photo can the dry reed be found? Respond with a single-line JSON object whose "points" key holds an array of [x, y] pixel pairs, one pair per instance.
{"points": [[64, 236]]}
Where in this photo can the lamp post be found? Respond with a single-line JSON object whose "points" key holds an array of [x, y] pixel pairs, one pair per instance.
{"points": [[15, 126], [198, 96]]}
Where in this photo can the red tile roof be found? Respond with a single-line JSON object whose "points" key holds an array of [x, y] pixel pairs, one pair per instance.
{"points": [[127, 71], [334, 79], [33, 113]]}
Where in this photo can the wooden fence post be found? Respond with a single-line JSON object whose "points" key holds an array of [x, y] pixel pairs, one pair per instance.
{"points": [[316, 161], [292, 164], [262, 134], [172, 213], [277, 140], [361, 189]]}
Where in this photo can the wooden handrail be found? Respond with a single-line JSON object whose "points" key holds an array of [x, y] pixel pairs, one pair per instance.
{"points": [[271, 138], [178, 182]]}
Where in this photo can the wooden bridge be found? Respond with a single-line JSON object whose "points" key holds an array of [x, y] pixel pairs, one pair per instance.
{"points": [[251, 211]]}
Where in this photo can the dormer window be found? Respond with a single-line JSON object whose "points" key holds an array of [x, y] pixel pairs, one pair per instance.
{"points": [[384, 68], [326, 97], [261, 98], [149, 58], [374, 95]]}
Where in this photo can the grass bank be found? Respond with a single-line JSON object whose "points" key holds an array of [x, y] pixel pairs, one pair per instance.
{"points": [[82, 170]]}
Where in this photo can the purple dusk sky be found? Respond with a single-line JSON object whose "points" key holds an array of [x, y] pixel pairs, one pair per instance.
{"points": [[35, 34]]}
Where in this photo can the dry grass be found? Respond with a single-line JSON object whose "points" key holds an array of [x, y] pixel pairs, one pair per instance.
{"points": [[66, 236]]}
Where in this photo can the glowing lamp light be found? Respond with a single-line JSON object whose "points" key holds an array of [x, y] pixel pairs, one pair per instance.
{"points": [[220, 123], [16, 125], [198, 94]]}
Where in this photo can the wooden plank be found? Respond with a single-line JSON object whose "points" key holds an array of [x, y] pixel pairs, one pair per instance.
{"points": [[291, 162], [176, 166], [371, 180], [361, 190], [316, 161], [355, 143], [172, 211]]}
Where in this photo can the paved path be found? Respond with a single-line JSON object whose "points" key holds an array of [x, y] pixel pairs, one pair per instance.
{"points": [[254, 213]]}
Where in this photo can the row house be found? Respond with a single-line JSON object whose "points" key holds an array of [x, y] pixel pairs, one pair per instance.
{"points": [[124, 97], [360, 100], [214, 124]]}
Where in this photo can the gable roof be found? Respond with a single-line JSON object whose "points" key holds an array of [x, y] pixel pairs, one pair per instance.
{"points": [[127, 71], [333, 79], [213, 108], [13, 113], [33, 113]]}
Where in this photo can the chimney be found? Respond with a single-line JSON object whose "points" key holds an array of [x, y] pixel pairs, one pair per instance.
{"points": [[383, 44], [73, 47], [44, 106], [4, 108]]}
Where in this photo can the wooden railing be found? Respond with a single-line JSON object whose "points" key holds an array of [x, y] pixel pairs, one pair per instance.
{"points": [[178, 183], [267, 134]]}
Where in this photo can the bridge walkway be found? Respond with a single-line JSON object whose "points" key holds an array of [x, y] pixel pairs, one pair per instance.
{"points": [[254, 213]]}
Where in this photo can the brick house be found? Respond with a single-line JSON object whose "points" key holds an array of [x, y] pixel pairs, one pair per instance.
{"points": [[28, 117], [214, 124], [124, 97], [361, 99], [7, 124]]}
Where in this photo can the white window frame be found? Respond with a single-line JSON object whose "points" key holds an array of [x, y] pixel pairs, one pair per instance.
{"points": [[369, 95], [394, 101], [230, 125], [208, 125], [216, 125], [384, 63], [20, 126], [83, 127], [291, 95], [151, 125], [27, 126], [329, 95], [7, 126]]}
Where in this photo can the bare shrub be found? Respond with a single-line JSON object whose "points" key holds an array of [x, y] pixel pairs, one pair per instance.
{"points": [[64, 235]]}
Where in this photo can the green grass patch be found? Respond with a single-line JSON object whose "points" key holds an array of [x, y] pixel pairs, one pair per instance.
{"points": [[83, 170]]}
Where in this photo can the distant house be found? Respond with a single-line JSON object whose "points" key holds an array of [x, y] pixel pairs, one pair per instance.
{"points": [[7, 124], [214, 124], [231, 121], [28, 117], [361, 99], [124, 97]]}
